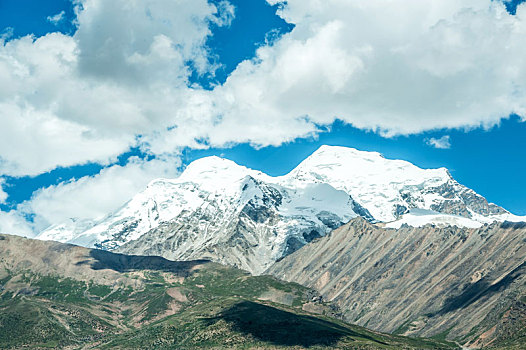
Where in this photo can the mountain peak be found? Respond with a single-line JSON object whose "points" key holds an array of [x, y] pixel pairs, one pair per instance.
{"points": [[377, 183], [215, 171], [212, 164], [338, 151], [369, 162]]}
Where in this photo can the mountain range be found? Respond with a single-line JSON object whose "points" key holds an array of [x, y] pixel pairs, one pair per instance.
{"points": [[228, 213]]}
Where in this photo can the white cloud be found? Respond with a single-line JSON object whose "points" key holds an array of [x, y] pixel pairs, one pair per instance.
{"points": [[71, 100], [442, 143], [15, 224], [93, 197], [397, 67], [56, 19], [226, 13], [6, 34]]}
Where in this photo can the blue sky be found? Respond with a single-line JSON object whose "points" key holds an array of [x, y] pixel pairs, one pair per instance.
{"points": [[30, 16], [485, 152]]}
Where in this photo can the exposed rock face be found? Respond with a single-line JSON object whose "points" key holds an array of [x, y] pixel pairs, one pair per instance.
{"points": [[462, 201], [420, 281]]}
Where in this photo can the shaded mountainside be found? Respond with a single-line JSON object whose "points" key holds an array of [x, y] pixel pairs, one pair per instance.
{"points": [[466, 285], [61, 296]]}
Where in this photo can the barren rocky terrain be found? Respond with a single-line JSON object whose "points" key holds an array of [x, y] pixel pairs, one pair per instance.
{"points": [[465, 285]]}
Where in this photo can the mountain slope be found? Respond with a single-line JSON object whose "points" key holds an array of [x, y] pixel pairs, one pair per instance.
{"points": [[219, 210], [262, 229], [467, 285], [58, 296]]}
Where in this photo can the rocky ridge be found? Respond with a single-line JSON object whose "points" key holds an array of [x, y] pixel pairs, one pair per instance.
{"points": [[463, 284]]}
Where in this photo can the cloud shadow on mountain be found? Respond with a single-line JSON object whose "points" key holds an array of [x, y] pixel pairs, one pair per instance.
{"points": [[482, 289], [283, 328], [127, 263]]}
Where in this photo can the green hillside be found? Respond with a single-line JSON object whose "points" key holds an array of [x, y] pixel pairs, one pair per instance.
{"points": [[61, 296]]}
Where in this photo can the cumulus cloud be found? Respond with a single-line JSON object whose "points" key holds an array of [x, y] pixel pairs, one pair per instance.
{"points": [[395, 67], [67, 100], [122, 80], [435, 64], [441, 143], [56, 19], [92, 197]]}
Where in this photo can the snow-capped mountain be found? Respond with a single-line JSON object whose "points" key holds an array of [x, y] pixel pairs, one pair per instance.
{"points": [[389, 188], [220, 210]]}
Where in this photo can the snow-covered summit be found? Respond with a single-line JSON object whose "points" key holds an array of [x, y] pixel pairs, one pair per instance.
{"points": [[215, 171], [386, 188], [345, 165], [374, 181]]}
